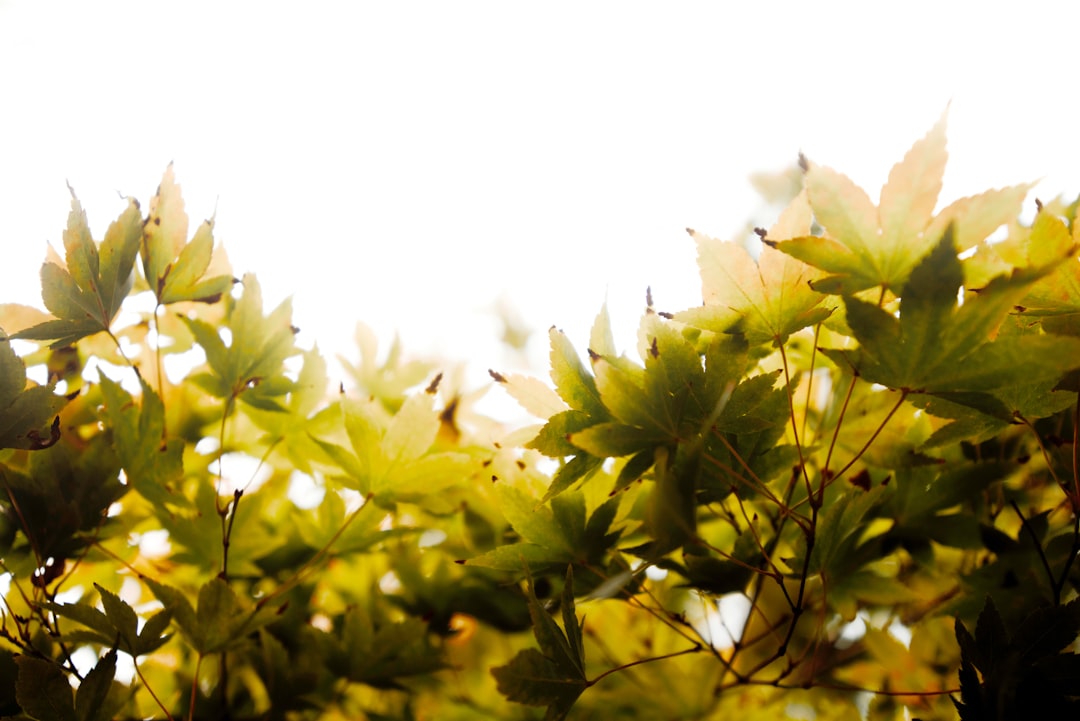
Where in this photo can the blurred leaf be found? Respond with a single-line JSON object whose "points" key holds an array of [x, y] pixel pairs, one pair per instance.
{"points": [[153, 464], [250, 368]]}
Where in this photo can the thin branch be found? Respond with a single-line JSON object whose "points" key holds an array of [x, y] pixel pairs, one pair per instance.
{"points": [[794, 423], [839, 423], [150, 689], [697, 648], [1042, 556], [870, 442]]}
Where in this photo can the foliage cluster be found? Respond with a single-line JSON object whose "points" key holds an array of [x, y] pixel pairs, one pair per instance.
{"points": [[846, 484]]}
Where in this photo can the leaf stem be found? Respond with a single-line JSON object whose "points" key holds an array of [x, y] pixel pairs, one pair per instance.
{"points": [[304, 567], [839, 423], [696, 648], [150, 690], [870, 441], [1042, 555], [194, 688], [794, 423]]}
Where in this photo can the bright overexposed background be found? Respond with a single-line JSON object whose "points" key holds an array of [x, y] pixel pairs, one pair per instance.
{"points": [[417, 164]]}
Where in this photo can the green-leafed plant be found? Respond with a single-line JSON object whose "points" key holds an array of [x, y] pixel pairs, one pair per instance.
{"points": [[845, 485]]}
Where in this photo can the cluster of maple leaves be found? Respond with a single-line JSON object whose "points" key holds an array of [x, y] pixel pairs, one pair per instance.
{"points": [[867, 430]]}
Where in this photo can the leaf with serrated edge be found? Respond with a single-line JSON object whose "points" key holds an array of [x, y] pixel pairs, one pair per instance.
{"points": [[531, 520], [601, 339], [908, 198], [412, 430], [43, 691], [533, 395], [771, 296], [572, 381], [94, 690], [555, 676], [86, 295], [27, 415]]}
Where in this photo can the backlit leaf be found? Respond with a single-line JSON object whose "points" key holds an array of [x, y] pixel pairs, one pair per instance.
{"points": [[28, 415], [85, 293], [173, 268], [767, 299]]}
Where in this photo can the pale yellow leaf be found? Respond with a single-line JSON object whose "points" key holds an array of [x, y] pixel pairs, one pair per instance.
{"points": [[412, 429], [843, 209], [795, 220], [977, 216], [909, 196], [533, 395], [15, 317], [601, 339]]}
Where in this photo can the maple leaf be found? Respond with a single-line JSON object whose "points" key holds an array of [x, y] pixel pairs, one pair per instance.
{"points": [[85, 290], [116, 624], [551, 536], [28, 415], [392, 458], [221, 618], [870, 246], [938, 346], [766, 300], [250, 368], [153, 464], [554, 676], [1057, 294], [173, 267]]}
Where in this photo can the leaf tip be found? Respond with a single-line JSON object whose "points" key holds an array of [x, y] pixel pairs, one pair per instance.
{"points": [[433, 387]]}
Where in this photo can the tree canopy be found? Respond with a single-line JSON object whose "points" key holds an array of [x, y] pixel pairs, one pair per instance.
{"points": [[846, 485]]}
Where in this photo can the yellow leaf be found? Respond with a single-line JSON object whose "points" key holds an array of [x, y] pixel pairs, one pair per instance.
{"points": [[532, 394], [843, 209], [908, 198], [772, 296]]}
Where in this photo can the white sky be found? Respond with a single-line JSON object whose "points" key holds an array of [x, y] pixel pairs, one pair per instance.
{"points": [[407, 163]]}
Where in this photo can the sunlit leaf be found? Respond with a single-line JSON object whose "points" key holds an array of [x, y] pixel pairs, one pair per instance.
{"points": [[85, 292], [173, 267]]}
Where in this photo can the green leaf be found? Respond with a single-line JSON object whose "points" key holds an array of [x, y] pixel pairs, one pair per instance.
{"points": [[392, 458], [938, 346], [93, 691], [175, 269], [1058, 293], [554, 438], [766, 300], [43, 691], [86, 294], [870, 246], [555, 675], [532, 520], [28, 415], [378, 654], [219, 621], [573, 382], [153, 464], [104, 630], [671, 516], [840, 528], [250, 368]]}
